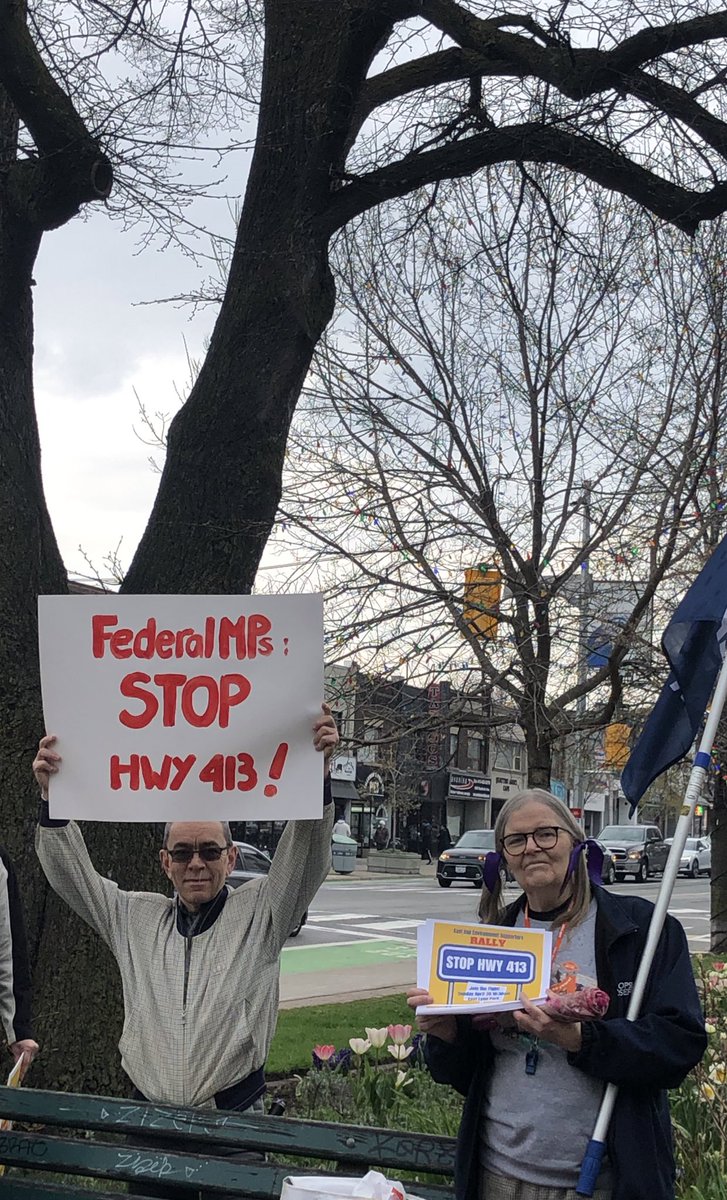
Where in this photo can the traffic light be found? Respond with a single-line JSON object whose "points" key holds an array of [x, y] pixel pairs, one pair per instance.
{"points": [[616, 747], [482, 590]]}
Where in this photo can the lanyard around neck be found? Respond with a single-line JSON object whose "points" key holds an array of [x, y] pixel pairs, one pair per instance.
{"points": [[558, 940]]}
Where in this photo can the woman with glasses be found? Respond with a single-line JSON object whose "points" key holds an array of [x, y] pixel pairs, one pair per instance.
{"points": [[533, 1081]]}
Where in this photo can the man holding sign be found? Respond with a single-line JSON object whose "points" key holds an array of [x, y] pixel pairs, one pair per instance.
{"points": [[199, 972]]}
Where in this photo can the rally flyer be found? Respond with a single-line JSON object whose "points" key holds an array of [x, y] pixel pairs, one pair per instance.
{"points": [[483, 968]]}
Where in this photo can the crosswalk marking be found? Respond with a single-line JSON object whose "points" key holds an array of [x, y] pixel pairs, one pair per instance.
{"points": [[385, 926], [348, 930], [341, 917], [317, 946]]}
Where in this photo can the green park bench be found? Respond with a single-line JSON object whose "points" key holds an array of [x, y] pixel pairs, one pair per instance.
{"points": [[94, 1137]]}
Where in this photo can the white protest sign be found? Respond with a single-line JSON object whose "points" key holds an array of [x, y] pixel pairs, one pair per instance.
{"points": [[183, 707]]}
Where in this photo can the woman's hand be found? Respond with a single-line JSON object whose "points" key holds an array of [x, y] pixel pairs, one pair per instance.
{"points": [[438, 1024], [45, 763], [539, 1022]]}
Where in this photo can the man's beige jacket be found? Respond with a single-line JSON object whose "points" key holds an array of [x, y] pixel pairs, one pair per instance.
{"points": [[185, 1057]]}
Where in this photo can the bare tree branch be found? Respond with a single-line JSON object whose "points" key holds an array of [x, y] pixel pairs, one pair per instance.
{"points": [[531, 142]]}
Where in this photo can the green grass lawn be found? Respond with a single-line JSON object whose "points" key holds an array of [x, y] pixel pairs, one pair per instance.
{"points": [[300, 1029]]}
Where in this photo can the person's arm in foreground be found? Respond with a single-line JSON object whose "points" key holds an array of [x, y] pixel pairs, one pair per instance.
{"points": [[65, 859], [303, 856], [659, 1048], [15, 985], [450, 1048]]}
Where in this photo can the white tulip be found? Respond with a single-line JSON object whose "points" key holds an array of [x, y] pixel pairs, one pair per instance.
{"points": [[359, 1045]]}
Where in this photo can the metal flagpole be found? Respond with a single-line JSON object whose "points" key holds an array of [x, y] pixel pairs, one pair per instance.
{"points": [[591, 1164]]}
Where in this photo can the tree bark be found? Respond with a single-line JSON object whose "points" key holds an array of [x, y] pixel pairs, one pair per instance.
{"points": [[221, 483], [76, 997]]}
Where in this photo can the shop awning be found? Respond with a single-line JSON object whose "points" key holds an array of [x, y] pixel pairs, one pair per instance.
{"points": [[343, 789]]}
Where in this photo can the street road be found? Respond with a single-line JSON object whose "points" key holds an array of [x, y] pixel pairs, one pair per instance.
{"points": [[361, 933]]}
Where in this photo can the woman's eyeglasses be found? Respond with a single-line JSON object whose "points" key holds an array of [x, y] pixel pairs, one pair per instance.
{"points": [[185, 854], [545, 838]]}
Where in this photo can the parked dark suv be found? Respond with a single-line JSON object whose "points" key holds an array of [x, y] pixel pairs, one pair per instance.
{"points": [[637, 850], [462, 863]]}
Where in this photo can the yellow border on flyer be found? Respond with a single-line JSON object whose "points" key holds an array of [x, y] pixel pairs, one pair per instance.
{"points": [[491, 966]]}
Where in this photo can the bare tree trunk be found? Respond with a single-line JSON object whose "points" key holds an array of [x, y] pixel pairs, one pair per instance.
{"points": [[539, 759], [77, 998], [221, 483], [76, 992]]}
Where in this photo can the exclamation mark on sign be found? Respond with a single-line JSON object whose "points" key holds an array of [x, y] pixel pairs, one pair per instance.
{"points": [[276, 768]]}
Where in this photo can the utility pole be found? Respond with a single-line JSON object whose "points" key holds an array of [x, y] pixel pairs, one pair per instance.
{"points": [[584, 605]]}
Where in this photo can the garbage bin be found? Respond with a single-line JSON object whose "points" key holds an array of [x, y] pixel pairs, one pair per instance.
{"points": [[343, 853]]}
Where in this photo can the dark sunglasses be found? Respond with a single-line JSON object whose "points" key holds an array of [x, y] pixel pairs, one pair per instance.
{"points": [[185, 854]]}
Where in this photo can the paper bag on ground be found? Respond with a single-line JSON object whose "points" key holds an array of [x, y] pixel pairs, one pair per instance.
{"points": [[373, 1186]]}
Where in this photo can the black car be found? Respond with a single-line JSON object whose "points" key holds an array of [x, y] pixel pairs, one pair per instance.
{"points": [[608, 870], [637, 850], [251, 864], [463, 862]]}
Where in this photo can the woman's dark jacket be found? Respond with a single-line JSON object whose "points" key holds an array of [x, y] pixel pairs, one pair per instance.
{"points": [[642, 1057]]}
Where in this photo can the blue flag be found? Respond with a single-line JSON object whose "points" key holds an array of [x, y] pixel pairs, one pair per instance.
{"points": [[694, 643]]}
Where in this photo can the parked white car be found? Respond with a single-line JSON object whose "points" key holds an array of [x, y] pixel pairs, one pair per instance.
{"points": [[696, 857]]}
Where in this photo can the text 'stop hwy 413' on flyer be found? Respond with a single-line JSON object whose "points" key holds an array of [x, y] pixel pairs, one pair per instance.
{"points": [[481, 968]]}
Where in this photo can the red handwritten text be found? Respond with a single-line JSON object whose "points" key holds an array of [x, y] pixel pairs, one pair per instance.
{"points": [[225, 772], [246, 637], [201, 699]]}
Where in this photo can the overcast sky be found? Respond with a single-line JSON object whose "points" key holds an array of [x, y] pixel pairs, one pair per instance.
{"points": [[96, 345]]}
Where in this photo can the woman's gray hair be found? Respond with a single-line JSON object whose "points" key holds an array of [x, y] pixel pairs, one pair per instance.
{"points": [[492, 905], [226, 832]]}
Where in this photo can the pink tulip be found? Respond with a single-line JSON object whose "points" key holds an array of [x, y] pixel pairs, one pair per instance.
{"points": [[399, 1034], [324, 1052]]}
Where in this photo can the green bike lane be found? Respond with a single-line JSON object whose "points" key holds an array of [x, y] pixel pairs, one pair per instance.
{"points": [[376, 966]]}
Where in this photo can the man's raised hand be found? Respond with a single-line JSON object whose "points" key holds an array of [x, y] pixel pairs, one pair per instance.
{"points": [[46, 762]]}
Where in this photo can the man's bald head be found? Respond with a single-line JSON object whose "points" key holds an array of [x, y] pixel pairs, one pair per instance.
{"points": [[179, 828], [197, 856]]}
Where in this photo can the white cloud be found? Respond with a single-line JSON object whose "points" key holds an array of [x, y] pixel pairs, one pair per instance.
{"points": [[95, 347]]}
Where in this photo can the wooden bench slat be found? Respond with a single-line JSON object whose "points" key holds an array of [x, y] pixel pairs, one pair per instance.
{"points": [[133, 1164], [351, 1145], [27, 1189], [188, 1172]]}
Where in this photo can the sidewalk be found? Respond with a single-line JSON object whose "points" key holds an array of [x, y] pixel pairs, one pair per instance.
{"points": [[361, 871], [386, 976], [319, 987]]}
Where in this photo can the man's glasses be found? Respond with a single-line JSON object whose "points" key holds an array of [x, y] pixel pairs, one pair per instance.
{"points": [[545, 838], [185, 854]]}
